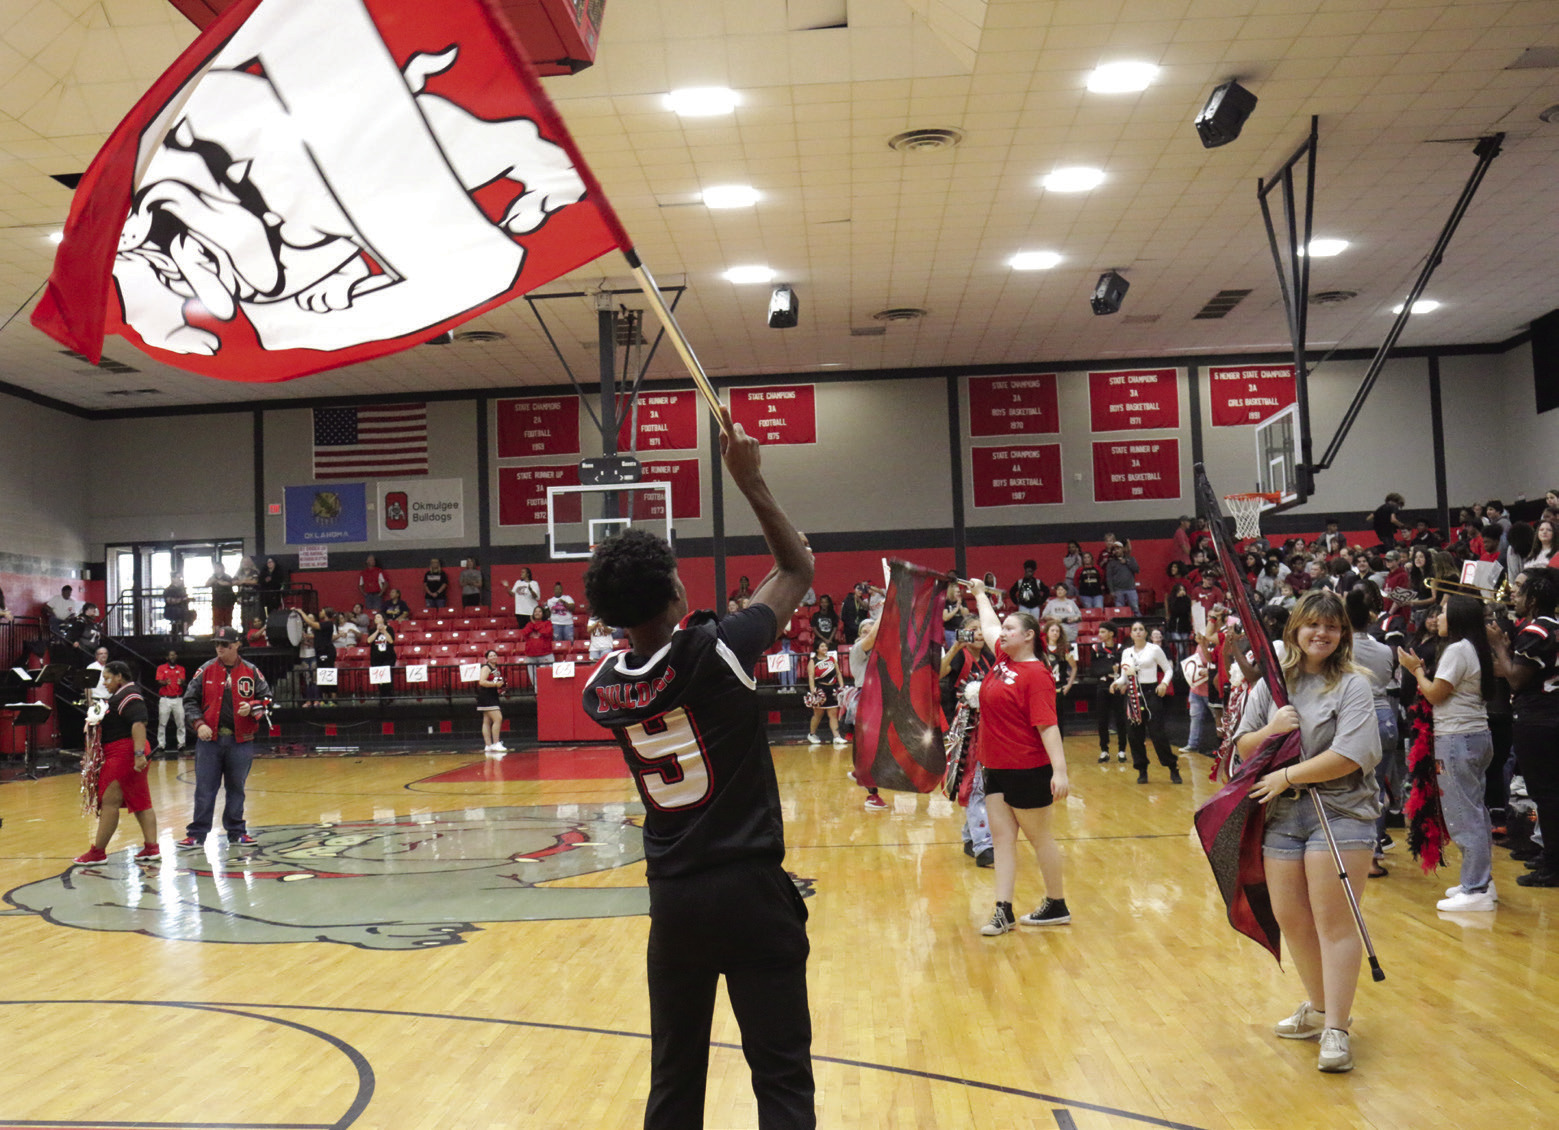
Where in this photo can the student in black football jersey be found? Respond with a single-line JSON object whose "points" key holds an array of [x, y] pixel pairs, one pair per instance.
{"points": [[683, 705]]}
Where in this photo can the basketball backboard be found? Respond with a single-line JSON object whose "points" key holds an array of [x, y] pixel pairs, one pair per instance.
{"points": [[1277, 461], [579, 518]]}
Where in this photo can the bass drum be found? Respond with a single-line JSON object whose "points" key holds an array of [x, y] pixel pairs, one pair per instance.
{"points": [[284, 627]]}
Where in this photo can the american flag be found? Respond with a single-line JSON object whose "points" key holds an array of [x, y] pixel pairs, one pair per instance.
{"points": [[376, 440]]}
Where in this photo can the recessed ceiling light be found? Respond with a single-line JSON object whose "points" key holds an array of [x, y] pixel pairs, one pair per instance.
{"points": [[752, 274], [1033, 260], [56, 237], [1326, 248], [1121, 78], [1076, 179], [730, 196], [702, 101], [830, 364], [1422, 306]]}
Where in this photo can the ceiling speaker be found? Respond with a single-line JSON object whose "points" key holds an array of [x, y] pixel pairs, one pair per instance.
{"points": [[1224, 115], [1108, 293]]}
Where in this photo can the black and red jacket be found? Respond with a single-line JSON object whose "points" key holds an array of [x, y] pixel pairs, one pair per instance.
{"points": [[203, 696]]}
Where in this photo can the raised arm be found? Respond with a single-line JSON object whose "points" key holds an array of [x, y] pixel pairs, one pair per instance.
{"points": [[990, 623], [787, 583]]}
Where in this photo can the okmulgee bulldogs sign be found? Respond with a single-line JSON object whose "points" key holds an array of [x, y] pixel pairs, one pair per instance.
{"points": [[432, 509]]}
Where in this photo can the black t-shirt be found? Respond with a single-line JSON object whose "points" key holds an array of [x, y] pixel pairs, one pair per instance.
{"points": [[434, 583], [126, 707], [1179, 619], [1102, 659], [1380, 521], [1028, 592], [688, 721], [824, 623], [1090, 582]]}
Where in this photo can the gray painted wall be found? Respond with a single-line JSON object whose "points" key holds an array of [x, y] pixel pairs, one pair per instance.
{"points": [[171, 477], [881, 462], [1530, 441], [44, 458]]}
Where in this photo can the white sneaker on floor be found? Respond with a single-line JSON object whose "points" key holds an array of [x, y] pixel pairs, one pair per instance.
{"points": [[1468, 901], [1306, 1024], [841, 741], [813, 739], [1335, 1055], [1452, 892]]}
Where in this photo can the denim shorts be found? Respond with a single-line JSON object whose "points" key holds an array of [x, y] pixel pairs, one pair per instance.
{"points": [[1293, 830]]}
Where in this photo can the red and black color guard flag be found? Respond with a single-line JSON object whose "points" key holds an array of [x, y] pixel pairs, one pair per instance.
{"points": [[898, 717], [1230, 824], [319, 182]]}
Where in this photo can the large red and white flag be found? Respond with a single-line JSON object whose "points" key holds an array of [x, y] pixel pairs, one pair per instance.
{"points": [[319, 182]]}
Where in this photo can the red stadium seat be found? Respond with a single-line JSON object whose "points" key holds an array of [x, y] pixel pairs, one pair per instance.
{"points": [[512, 634], [1093, 613], [351, 657]]}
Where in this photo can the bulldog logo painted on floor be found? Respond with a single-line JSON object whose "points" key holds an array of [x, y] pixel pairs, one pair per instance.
{"points": [[411, 882]]}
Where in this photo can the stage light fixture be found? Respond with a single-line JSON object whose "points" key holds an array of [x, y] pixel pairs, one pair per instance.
{"points": [[1108, 293], [783, 308], [1224, 115]]}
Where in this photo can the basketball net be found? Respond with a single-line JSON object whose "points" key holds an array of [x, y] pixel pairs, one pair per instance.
{"points": [[1247, 509]]}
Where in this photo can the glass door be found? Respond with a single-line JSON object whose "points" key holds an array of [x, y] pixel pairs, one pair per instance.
{"points": [[196, 565]]}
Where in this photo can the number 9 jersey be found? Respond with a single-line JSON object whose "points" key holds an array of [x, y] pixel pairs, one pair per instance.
{"points": [[692, 734]]}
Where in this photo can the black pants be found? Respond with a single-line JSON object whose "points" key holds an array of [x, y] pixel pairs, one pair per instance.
{"points": [[1495, 790], [748, 922], [1109, 707], [1537, 756], [1151, 726]]}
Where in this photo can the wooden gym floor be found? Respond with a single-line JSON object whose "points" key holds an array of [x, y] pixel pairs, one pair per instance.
{"points": [[434, 940]]}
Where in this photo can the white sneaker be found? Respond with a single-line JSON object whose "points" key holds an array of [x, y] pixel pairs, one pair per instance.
{"points": [[1335, 1055], [1468, 901], [489, 749], [1306, 1024], [499, 747], [814, 739], [841, 741], [1452, 892]]}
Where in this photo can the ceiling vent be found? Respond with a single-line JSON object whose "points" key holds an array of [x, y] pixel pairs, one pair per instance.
{"points": [[479, 337], [868, 331], [107, 364], [925, 140], [1332, 297], [900, 314], [1219, 305]]}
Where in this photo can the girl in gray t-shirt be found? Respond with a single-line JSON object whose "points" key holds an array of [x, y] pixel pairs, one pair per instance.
{"points": [[1331, 706]]}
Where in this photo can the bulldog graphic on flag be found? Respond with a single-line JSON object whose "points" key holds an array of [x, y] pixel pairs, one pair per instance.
{"points": [[317, 182]]}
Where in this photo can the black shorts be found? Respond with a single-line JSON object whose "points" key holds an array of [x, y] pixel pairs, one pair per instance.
{"points": [[1021, 788]]}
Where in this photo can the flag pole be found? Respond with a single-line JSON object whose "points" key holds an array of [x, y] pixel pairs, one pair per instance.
{"points": [[646, 281]]}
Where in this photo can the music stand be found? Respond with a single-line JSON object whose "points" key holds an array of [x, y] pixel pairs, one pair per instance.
{"points": [[34, 714]]}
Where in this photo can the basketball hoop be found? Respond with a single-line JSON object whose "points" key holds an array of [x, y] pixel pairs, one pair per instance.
{"points": [[1247, 509]]}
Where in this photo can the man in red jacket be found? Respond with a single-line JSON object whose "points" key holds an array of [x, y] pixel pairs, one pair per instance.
{"points": [[227, 698]]}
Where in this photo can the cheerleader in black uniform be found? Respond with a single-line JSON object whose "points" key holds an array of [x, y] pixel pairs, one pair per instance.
{"points": [[1056, 654], [489, 684], [823, 678], [381, 652]]}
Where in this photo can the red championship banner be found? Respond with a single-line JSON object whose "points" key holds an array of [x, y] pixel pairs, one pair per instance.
{"points": [[1248, 394], [1017, 476], [783, 414], [682, 474], [663, 421], [1134, 398], [1130, 471], [1006, 406], [522, 494], [541, 425]]}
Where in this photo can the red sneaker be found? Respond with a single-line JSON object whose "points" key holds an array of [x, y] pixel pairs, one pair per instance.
{"points": [[189, 842], [92, 855], [875, 803], [150, 853], [243, 839]]}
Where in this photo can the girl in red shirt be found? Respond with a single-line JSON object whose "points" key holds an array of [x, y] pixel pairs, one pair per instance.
{"points": [[536, 635], [1024, 762]]}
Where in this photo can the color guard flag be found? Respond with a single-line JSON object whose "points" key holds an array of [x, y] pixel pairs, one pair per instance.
{"points": [[1230, 824], [898, 717], [319, 182]]}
